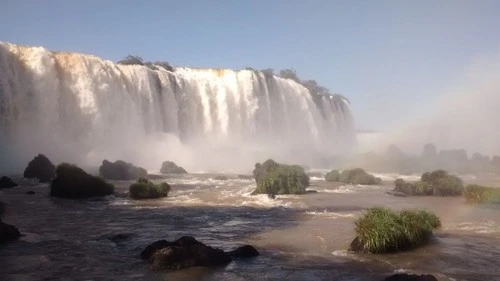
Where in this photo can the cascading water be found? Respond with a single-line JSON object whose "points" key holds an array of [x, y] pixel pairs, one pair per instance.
{"points": [[82, 109]]}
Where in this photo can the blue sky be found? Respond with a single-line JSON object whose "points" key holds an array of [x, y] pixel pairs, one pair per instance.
{"points": [[390, 58]]}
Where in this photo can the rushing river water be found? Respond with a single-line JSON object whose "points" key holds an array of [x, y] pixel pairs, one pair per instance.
{"points": [[300, 237]]}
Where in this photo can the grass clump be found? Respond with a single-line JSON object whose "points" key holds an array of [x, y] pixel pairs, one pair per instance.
{"points": [[353, 176], [436, 183], [477, 194], [273, 178], [73, 182], [382, 230], [145, 189]]}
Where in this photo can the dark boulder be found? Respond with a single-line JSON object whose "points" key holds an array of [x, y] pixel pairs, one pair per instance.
{"points": [[121, 170], [188, 252], [6, 182], [410, 277], [8, 233], [31, 192], [356, 246], [74, 183], [169, 167], [41, 168], [153, 247], [247, 251]]}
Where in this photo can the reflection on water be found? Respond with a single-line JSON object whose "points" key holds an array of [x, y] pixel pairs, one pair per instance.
{"points": [[301, 237]]}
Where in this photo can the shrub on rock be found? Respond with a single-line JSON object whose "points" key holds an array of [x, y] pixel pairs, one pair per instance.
{"points": [[333, 175], [358, 176], [477, 194], [121, 170], [273, 179], [383, 230], [169, 167], [41, 168], [73, 182], [145, 189], [6, 182], [436, 183]]}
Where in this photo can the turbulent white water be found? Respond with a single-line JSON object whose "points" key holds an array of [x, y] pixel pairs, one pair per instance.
{"points": [[82, 109]]}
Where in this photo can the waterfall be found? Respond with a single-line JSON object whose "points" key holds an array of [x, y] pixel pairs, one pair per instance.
{"points": [[83, 109]]}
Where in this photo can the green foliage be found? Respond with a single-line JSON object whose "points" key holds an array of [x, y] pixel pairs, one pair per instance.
{"points": [[477, 194], [333, 175], [383, 230], [131, 60], [145, 189], [273, 178], [358, 176], [436, 183], [268, 72], [73, 182], [289, 74], [136, 60]]}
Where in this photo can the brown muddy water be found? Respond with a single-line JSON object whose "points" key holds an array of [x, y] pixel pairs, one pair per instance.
{"points": [[300, 237]]}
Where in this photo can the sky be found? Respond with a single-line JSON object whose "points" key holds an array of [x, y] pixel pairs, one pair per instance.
{"points": [[390, 58]]}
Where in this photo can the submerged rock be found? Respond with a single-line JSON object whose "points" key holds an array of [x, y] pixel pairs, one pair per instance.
{"points": [[121, 170], [169, 167], [189, 252], [41, 168], [220, 178], [6, 182], [31, 192], [410, 277], [8, 232]]}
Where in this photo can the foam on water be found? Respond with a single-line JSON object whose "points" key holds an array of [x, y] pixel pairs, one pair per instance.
{"points": [[329, 214]]}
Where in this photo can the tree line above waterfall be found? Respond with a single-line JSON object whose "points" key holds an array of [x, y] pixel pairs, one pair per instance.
{"points": [[316, 90], [136, 60]]}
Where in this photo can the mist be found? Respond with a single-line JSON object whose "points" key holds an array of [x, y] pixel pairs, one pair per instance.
{"points": [[465, 115]]}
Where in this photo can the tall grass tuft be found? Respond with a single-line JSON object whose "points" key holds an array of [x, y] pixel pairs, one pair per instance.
{"points": [[382, 230], [477, 194]]}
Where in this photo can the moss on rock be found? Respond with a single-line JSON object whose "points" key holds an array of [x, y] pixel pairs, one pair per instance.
{"points": [[273, 178], [436, 183], [145, 189]]}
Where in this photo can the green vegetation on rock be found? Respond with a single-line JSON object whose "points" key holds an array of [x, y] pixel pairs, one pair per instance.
{"points": [[145, 189], [477, 194], [273, 178], [353, 176], [436, 183], [333, 175], [73, 182], [383, 230]]}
